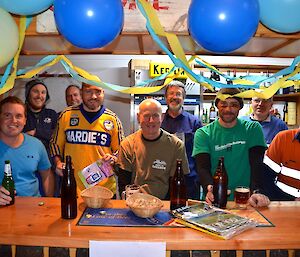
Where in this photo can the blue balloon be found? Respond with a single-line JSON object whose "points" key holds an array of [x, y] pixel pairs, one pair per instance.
{"points": [[280, 15], [25, 7], [222, 26], [89, 23]]}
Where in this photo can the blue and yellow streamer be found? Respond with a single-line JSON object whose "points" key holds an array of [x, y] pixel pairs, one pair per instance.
{"points": [[253, 85]]}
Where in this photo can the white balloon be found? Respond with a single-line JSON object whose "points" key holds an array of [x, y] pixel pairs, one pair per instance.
{"points": [[9, 37]]}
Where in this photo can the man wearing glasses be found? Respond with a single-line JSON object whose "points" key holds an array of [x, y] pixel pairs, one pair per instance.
{"points": [[270, 124], [240, 142], [148, 156], [183, 124]]}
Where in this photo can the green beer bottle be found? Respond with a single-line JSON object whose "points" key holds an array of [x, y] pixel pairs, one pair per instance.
{"points": [[8, 182]]}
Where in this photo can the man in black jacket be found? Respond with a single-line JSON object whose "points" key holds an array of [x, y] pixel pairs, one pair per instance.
{"points": [[41, 121]]}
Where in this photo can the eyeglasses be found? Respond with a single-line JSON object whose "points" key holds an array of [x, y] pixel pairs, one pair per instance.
{"points": [[231, 105], [262, 101], [177, 94]]}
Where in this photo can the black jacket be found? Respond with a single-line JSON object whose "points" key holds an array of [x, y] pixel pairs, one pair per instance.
{"points": [[44, 122]]}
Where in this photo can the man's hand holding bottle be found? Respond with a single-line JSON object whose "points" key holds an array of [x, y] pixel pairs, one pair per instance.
{"points": [[255, 200]]}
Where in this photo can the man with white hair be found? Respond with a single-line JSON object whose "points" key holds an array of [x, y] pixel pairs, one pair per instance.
{"points": [[270, 124], [148, 156]]}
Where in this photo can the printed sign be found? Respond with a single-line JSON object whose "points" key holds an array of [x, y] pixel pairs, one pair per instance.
{"points": [[157, 69]]}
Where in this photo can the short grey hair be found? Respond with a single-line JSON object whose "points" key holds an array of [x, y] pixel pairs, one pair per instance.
{"points": [[175, 83]]}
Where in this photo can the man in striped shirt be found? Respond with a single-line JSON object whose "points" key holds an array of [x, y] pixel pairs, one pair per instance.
{"points": [[283, 166]]}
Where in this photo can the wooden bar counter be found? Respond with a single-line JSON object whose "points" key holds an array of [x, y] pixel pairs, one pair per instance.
{"points": [[37, 222]]}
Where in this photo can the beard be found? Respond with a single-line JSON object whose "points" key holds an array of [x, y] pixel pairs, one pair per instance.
{"points": [[175, 106], [93, 105], [36, 106], [228, 117]]}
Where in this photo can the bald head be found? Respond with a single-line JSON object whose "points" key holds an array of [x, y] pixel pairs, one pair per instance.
{"points": [[150, 104], [150, 118]]}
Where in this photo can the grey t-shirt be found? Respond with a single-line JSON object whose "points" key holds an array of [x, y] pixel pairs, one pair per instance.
{"points": [[152, 162]]}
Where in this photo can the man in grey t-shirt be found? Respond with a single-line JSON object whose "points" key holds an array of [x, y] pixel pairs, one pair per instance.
{"points": [[148, 156]]}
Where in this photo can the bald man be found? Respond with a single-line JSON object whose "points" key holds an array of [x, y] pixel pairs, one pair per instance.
{"points": [[148, 156]]}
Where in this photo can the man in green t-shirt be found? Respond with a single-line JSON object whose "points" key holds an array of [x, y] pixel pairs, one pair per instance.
{"points": [[240, 142]]}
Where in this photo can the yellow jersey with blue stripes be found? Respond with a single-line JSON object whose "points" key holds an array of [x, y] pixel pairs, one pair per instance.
{"points": [[81, 134]]}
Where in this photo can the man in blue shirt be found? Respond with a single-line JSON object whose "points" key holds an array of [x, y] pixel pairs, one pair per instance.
{"points": [[178, 121], [26, 153], [270, 124]]}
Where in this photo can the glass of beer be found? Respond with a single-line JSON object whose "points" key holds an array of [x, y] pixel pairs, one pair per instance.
{"points": [[241, 196], [130, 190]]}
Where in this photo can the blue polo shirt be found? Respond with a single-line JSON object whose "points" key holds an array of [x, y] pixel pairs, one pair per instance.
{"points": [[270, 126], [188, 124]]}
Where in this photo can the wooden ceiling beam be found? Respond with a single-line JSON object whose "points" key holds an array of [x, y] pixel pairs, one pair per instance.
{"points": [[41, 44], [261, 31], [279, 46]]}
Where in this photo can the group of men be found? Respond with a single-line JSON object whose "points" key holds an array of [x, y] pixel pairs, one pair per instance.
{"points": [[88, 131]]}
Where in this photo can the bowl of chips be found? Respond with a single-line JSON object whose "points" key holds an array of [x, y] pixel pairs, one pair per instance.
{"points": [[144, 205], [96, 196]]}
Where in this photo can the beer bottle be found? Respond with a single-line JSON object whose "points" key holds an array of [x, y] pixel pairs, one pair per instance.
{"points": [[285, 113], [8, 181], [177, 188], [220, 185], [68, 192], [228, 80], [212, 112], [204, 116]]}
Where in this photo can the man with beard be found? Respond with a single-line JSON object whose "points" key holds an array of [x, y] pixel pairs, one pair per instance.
{"points": [[148, 156], [240, 142], [270, 124], [41, 121], [87, 133], [180, 122]]}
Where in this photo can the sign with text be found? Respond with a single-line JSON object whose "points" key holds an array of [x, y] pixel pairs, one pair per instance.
{"points": [[157, 69], [127, 249]]}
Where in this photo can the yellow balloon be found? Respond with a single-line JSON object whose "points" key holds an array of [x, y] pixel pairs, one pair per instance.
{"points": [[9, 37]]}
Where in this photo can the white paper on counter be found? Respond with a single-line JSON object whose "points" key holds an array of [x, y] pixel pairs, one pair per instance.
{"points": [[127, 249]]}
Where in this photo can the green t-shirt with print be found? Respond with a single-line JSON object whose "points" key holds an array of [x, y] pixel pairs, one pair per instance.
{"points": [[232, 143]]}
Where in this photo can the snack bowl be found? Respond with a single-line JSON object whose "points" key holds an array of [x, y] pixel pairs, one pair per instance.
{"points": [[96, 196], [144, 205]]}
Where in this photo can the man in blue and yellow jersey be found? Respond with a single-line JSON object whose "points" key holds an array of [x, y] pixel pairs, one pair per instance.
{"points": [[87, 133]]}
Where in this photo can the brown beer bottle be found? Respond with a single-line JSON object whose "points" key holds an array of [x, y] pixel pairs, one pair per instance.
{"points": [[220, 185], [68, 192], [177, 188], [8, 181]]}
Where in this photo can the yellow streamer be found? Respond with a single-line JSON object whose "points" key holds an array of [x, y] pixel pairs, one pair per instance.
{"points": [[11, 79], [175, 47]]}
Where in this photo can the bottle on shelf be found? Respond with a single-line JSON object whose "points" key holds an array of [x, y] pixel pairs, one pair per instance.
{"points": [[8, 181], [228, 80], [204, 116], [68, 191], [220, 185], [285, 113], [268, 83], [178, 195], [212, 112]]}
